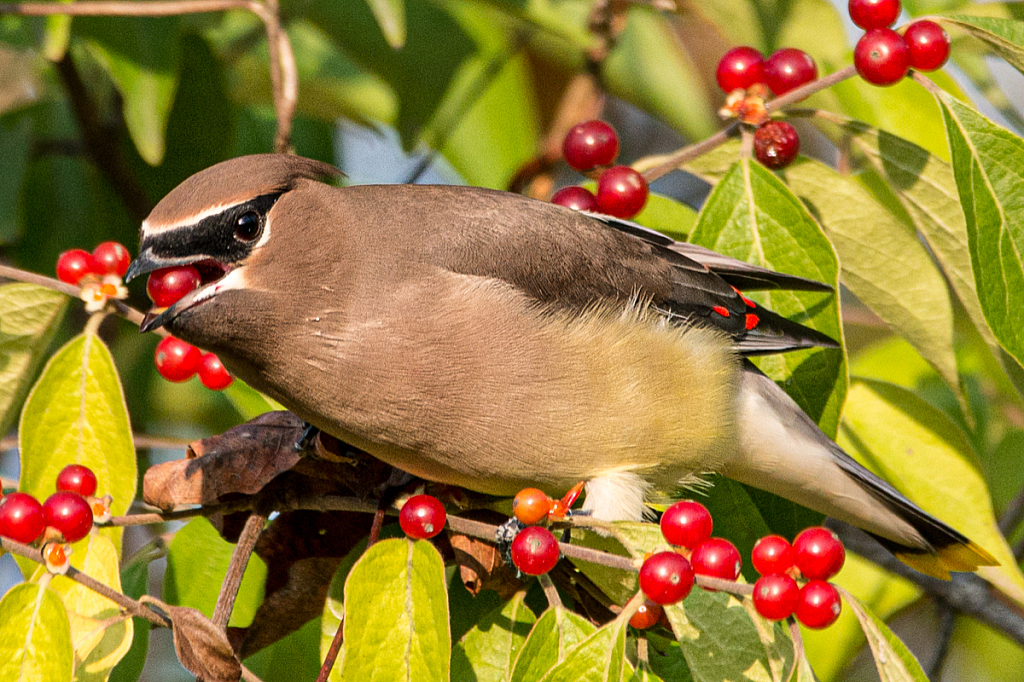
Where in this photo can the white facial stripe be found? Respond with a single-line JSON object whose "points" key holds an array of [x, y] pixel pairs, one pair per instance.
{"points": [[149, 228], [265, 237]]}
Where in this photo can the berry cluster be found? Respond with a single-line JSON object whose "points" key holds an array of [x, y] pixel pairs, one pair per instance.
{"points": [[535, 550], [591, 148], [747, 77], [66, 516], [97, 274], [177, 360], [816, 555], [883, 56]]}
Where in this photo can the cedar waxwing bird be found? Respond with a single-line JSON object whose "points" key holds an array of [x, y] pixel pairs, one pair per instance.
{"points": [[486, 340]]}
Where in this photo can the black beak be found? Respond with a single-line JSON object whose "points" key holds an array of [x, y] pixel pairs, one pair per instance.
{"points": [[145, 263]]}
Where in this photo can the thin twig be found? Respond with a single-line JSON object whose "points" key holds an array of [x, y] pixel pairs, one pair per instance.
{"points": [[332, 653], [549, 590], [690, 152], [236, 569], [283, 76], [947, 623], [120, 307], [808, 89], [157, 8], [130, 605]]}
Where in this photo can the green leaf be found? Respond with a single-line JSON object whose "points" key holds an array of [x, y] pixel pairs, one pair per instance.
{"points": [[488, 651], [555, 633], [988, 164], [76, 414], [29, 316], [721, 641], [1005, 36], [926, 188], [98, 638], [390, 15], [294, 657], [197, 560], [898, 435], [396, 614], [893, 660], [15, 146], [598, 658], [35, 639], [752, 216], [141, 56], [667, 216], [884, 263], [247, 401]]}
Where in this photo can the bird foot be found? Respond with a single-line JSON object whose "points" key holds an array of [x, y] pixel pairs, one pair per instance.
{"points": [[302, 445]]}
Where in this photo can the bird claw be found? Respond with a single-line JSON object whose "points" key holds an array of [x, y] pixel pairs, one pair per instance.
{"points": [[504, 536], [304, 442]]}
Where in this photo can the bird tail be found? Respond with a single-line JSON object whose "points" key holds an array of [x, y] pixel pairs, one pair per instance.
{"points": [[783, 451]]}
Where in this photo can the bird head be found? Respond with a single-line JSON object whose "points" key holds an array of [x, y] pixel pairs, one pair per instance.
{"points": [[218, 221]]}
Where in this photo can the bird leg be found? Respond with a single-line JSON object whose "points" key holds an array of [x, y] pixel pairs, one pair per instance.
{"points": [[306, 439]]}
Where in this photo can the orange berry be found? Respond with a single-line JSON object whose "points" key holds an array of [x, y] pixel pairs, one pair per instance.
{"points": [[531, 505]]}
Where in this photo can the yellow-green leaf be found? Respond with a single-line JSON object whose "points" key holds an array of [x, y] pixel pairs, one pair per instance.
{"points": [[35, 639], [396, 615], [922, 452], [76, 414], [893, 660], [1005, 36], [29, 315], [390, 15], [98, 637]]}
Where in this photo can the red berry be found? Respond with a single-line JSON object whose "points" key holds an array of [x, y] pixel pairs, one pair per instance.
{"points": [[717, 558], [167, 286], [776, 144], [928, 43], [869, 14], [818, 553], [776, 596], [666, 577], [788, 69], [882, 56], [621, 192], [819, 605], [73, 265], [575, 197], [422, 517], [21, 518], [686, 524], [110, 258], [740, 67], [646, 616], [531, 505], [535, 550], [772, 554], [76, 478], [213, 373], [69, 513], [590, 144], [177, 360]]}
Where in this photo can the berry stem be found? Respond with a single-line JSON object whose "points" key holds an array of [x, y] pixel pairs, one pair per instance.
{"points": [[550, 592], [808, 89], [690, 152], [925, 82]]}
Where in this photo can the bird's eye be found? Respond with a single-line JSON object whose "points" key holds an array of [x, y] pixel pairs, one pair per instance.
{"points": [[247, 227]]}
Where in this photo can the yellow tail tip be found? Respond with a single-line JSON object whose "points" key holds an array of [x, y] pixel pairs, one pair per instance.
{"points": [[964, 558]]}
